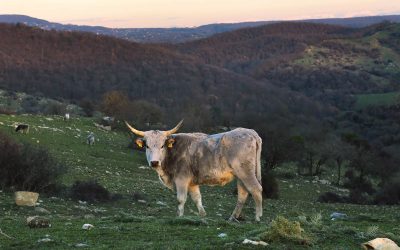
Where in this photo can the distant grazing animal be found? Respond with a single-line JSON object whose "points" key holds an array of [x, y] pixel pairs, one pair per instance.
{"points": [[187, 160], [66, 117], [24, 128], [90, 139]]}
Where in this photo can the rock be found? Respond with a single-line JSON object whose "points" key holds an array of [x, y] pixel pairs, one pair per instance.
{"points": [[88, 216], [222, 235], [262, 243], [161, 203], [324, 182], [338, 216], [81, 245], [24, 198], [380, 244], [44, 240], [38, 222], [42, 210], [87, 226]]}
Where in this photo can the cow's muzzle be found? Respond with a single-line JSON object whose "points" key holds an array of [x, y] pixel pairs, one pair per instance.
{"points": [[154, 164]]}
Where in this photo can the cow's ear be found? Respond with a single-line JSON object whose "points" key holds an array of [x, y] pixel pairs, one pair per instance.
{"points": [[139, 142], [170, 142]]}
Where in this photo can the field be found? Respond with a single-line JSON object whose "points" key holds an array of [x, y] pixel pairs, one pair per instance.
{"points": [[366, 100], [151, 223]]}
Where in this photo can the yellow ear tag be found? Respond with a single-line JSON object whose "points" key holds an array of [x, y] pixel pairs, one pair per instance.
{"points": [[139, 142], [170, 143]]}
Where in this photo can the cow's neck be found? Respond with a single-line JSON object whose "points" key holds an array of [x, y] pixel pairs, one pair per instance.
{"points": [[164, 178]]}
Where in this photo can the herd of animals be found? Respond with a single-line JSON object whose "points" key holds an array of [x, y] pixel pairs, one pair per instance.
{"points": [[184, 161]]}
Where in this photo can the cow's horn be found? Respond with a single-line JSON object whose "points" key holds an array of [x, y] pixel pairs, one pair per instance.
{"points": [[135, 131], [173, 131]]}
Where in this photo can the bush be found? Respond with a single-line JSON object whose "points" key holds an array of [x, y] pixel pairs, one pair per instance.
{"points": [[283, 230], [27, 168], [390, 193], [90, 191], [55, 108], [330, 197], [4, 111], [88, 107], [270, 184]]}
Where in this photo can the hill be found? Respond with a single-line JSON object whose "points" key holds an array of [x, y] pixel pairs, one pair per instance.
{"points": [[176, 35], [332, 65], [76, 65], [144, 216]]}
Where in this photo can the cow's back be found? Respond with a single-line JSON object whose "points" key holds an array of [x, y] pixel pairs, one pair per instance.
{"points": [[217, 157]]}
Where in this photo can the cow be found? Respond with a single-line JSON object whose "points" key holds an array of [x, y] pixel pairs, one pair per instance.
{"points": [[90, 139], [24, 128], [187, 160]]}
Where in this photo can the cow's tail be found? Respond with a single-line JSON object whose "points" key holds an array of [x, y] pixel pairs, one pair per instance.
{"points": [[258, 158]]}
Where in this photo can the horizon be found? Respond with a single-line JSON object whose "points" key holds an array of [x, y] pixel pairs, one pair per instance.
{"points": [[183, 27], [182, 14]]}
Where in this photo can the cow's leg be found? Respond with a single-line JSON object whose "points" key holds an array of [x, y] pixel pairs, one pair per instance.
{"points": [[196, 197], [242, 197], [255, 189], [181, 194]]}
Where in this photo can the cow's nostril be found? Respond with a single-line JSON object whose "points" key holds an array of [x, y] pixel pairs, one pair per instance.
{"points": [[154, 163]]}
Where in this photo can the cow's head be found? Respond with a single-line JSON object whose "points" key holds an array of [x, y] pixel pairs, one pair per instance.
{"points": [[156, 143]]}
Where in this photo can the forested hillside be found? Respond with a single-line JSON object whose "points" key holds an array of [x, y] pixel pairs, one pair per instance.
{"points": [[78, 66]]}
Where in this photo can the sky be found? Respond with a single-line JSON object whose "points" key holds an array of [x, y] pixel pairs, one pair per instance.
{"points": [[189, 13]]}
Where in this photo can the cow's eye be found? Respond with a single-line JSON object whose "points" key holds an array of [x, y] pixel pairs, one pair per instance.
{"points": [[162, 146], [147, 146]]}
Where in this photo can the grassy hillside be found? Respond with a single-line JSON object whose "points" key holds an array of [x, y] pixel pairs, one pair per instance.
{"points": [[366, 100], [128, 223]]}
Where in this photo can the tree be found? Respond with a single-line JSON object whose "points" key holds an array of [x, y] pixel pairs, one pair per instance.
{"points": [[338, 153], [115, 103]]}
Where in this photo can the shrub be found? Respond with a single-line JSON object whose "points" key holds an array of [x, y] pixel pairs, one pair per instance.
{"points": [[390, 193], [90, 191], [270, 184], [4, 111], [28, 168], [330, 197], [283, 230], [88, 107], [55, 108], [138, 196]]}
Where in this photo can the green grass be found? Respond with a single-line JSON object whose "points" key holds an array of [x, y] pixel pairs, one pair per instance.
{"points": [[128, 224], [366, 100]]}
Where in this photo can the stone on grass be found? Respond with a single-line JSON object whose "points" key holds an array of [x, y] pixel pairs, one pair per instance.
{"points": [[161, 203], [88, 216], [87, 226], [38, 222], [81, 245], [338, 216], [380, 244], [44, 240], [262, 243], [24, 198], [222, 235], [42, 210]]}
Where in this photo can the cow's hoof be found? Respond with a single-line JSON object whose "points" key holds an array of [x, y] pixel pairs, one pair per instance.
{"points": [[233, 219], [202, 213]]}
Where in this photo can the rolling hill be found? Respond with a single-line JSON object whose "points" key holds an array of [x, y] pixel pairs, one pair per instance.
{"points": [[176, 35], [76, 65], [329, 63], [283, 75]]}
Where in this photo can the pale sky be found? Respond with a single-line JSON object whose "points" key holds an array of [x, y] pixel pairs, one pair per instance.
{"points": [[188, 13]]}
